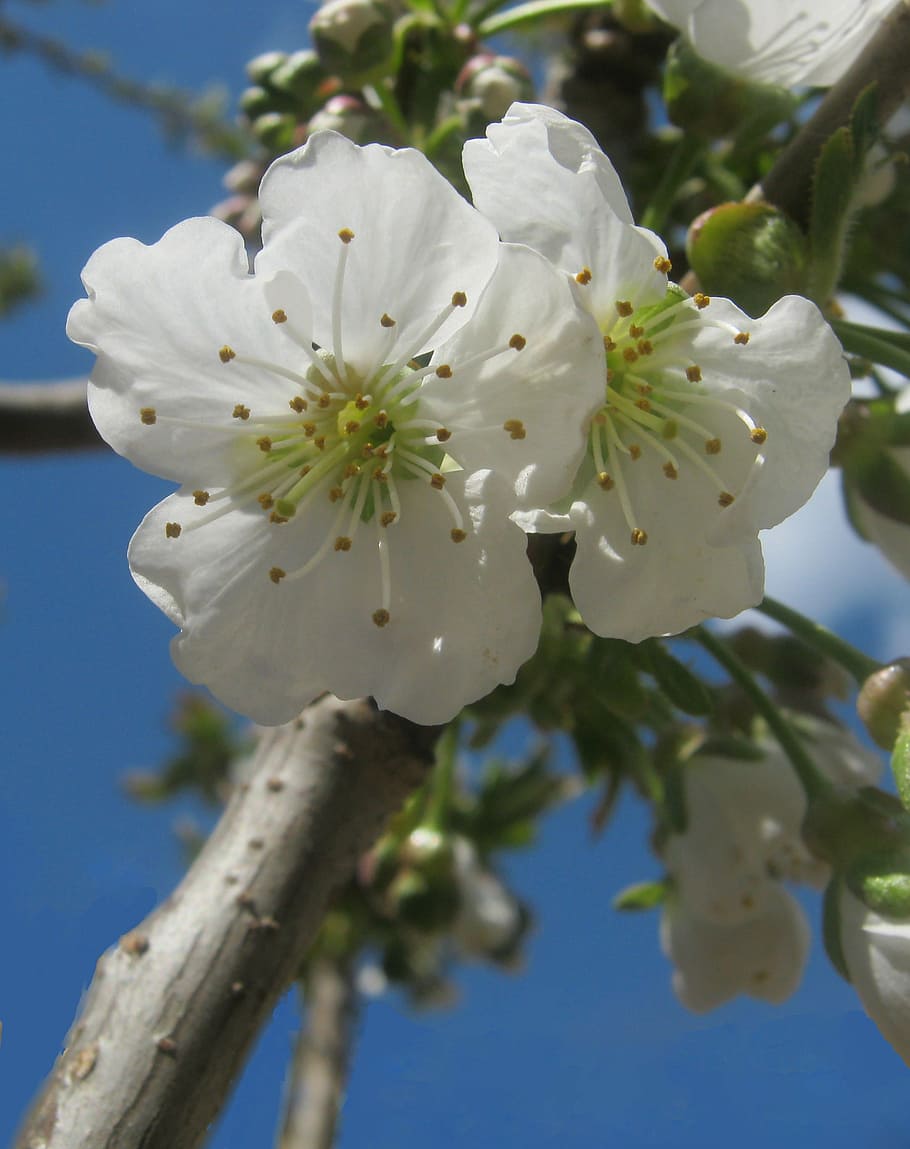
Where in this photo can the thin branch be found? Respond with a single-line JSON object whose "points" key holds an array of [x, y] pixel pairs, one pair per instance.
{"points": [[319, 1068], [883, 62], [38, 417], [174, 1007]]}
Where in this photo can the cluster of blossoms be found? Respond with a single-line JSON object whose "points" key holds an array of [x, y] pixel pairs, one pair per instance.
{"points": [[364, 428], [730, 926]]}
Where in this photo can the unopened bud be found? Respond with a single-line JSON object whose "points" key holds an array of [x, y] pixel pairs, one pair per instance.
{"points": [[276, 130], [883, 699], [261, 67], [353, 37], [352, 118], [300, 76], [491, 84]]}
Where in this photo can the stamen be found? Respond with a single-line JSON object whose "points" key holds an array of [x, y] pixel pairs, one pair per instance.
{"points": [[385, 575], [226, 354], [663, 265], [518, 342], [148, 416], [317, 558], [200, 498], [345, 235], [457, 535], [279, 316], [622, 491], [515, 427], [241, 412], [276, 574], [172, 530], [584, 276]]}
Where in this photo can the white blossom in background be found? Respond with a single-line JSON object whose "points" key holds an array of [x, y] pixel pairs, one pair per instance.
{"points": [[729, 925], [489, 919], [713, 426], [876, 951], [335, 420], [785, 42]]}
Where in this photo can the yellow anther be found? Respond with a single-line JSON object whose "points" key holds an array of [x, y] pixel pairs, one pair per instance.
{"points": [[200, 498], [663, 264], [701, 300], [319, 442], [629, 354], [276, 574], [380, 476], [305, 470], [148, 415], [382, 419], [360, 403], [670, 471], [172, 530], [609, 345], [518, 342], [336, 493], [457, 535], [386, 320], [643, 388], [279, 316], [459, 299], [226, 354], [381, 452], [298, 404], [387, 518], [645, 346], [241, 412], [634, 452], [712, 446], [639, 537], [351, 470], [444, 371], [265, 501], [345, 235], [351, 427], [342, 543], [381, 617], [324, 401], [693, 373], [741, 337], [584, 276], [274, 517], [515, 427], [309, 429], [624, 307], [758, 435], [611, 374], [643, 404], [605, 482], [264, 443], [725, 499], [437, 481], [636, 331], [443, 434]]}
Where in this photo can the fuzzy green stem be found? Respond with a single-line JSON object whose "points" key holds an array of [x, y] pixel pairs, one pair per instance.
{"points": [[816, 786], [855, 662], [682, 160], [442, 779]]}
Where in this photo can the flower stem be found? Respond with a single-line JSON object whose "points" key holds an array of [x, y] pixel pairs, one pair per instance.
{"points": [[813, 781], [442, 778], [682, 160], [857, 664]]}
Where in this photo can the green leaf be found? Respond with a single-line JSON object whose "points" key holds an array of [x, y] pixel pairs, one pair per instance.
{"points": [[887, 348], [528, 13], [831, 927], [641, 896], [684, 689], [835, 180], [900, 762]]}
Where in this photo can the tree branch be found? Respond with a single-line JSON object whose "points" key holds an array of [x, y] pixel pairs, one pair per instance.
{"points": [[319, 1067], [37, 417], [175, 1006], [883, 62]]}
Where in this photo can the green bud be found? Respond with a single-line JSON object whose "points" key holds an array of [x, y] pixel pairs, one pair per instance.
{"points": [[491, 84], [352, 118], [641, 896], [353, 38], [300, 76], [748, 252], [260, 68], [707, 101], [255, 102], [427, 903], [881, 703], [884, 885], [276, 130]]}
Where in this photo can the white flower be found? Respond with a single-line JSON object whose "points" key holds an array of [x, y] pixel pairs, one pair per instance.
{"points": [[489, 919], [332, 420], [762, 956], [713, 425], [809, 42], [877, 954]]}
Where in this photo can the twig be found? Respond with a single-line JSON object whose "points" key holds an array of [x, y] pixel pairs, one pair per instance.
{"points": [[38, 417], [175, 1006], [319, 1067]]}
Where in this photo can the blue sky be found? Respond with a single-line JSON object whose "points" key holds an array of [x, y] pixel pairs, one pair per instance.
{"points": [[587, 1045]]}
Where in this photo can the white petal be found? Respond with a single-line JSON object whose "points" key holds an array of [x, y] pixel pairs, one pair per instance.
{"points": [[157, 318], [267, 649], [890, 536], [793, 380], [416, 242], [877, 953], [524, 413], [675, 580], [762, 956]]}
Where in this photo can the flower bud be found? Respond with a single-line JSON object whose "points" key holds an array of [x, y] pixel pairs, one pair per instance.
{"points": [[352, 117], [490, 84], [353, 37], [300, 76], [884, 697], [749, 252], [276, 130], [260, 68]]}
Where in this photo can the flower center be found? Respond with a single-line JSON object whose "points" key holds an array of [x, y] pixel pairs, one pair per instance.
{"points": [[658, 407]]}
